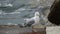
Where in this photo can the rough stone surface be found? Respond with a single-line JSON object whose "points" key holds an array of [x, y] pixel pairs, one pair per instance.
{"points": [[53, 30]]}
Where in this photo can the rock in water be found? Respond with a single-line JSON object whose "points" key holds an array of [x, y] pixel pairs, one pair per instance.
{"points": [[54, 15]]}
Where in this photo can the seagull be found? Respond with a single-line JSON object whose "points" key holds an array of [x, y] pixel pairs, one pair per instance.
{"points": [[33, 21]]}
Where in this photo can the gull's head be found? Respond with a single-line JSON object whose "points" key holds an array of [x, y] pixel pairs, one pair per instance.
{"points": [[37, 14]]}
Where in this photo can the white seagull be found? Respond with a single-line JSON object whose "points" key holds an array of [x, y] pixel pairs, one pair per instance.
{"points": [[33, 21]]}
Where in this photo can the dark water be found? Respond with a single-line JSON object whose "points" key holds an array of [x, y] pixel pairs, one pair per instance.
{"points": [[7, 16]]}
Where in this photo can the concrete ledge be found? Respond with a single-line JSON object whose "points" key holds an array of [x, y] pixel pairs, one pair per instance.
{"points": [[53, 30]]}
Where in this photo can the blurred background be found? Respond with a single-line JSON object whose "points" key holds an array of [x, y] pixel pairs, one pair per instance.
{"points": [[15, 11]]}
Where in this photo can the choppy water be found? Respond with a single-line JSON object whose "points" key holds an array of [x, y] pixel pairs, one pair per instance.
{"points": [[17, 16]]}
